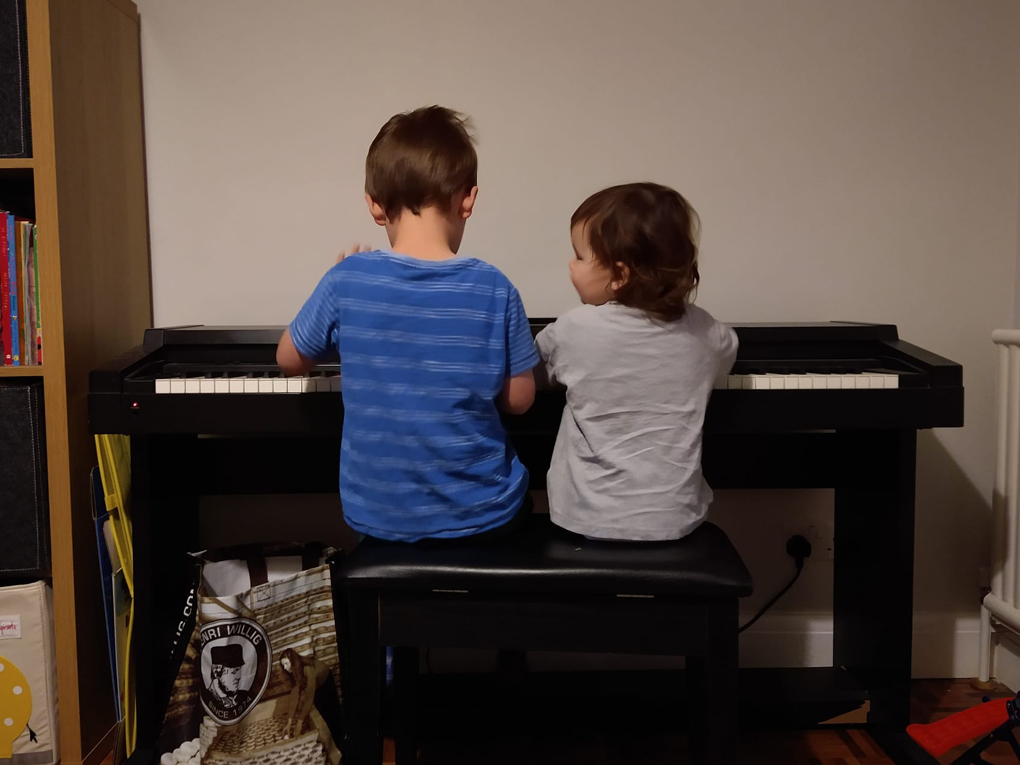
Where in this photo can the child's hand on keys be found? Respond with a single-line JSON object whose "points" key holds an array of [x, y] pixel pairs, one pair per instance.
{"points": [[358, 247]]}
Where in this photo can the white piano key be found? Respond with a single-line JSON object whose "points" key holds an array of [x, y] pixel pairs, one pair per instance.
{"points": [[192, 385], [265, 384], [735, 382], [251, 384], [236, 384], [206, 385], [812, 381], [280, 385], [177, 385], [163, 386], [334, 383], [222, 385], [308, 385], [819, 382], [296, 384], [321, 384]]}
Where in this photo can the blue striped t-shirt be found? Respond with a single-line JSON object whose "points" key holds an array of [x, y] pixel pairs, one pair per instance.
{"points": [[425, 347]]}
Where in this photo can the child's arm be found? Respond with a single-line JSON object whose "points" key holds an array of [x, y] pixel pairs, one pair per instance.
{"points": [[290, 359], [518, 393], [312, 334], [547, 344], [728, 346]]}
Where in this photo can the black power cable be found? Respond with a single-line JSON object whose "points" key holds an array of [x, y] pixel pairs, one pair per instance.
{"points": [[798, 548]]}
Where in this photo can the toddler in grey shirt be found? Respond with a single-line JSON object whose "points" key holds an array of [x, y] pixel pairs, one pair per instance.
{"points": [[638, 362]]}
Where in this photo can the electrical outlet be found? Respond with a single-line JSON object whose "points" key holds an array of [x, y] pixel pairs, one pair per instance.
{"points": [[818, 533]]}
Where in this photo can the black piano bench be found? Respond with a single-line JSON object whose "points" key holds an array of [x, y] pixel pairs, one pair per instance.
{"points": [[542, 588]]}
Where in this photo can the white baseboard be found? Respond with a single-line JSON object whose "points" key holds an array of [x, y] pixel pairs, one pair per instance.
{"points": [[787, 640], [1006, 659], [945, 645]]}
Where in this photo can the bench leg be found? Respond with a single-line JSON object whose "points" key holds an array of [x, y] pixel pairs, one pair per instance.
{"points": [[362, 691], [405, 681], [713, 692]]}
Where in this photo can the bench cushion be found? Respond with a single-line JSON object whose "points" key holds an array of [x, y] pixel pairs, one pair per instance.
{"points": [[543, 558]]}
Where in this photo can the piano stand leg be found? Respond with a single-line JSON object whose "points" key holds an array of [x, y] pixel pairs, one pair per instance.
{"points": [[874, 567], [165, 528], [364, 681]]}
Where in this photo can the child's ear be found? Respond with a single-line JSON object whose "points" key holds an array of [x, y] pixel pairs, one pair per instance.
{"points": [[376, 211], [467, 203], [621, 276]]}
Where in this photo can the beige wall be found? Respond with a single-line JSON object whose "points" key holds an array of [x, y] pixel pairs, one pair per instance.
{"points": [[850, 160]]}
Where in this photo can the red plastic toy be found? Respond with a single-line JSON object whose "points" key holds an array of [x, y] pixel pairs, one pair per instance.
{"points": [[992, 721]]}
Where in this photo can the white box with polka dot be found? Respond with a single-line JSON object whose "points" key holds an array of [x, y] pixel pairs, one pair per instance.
{"points": [[29, 728]]}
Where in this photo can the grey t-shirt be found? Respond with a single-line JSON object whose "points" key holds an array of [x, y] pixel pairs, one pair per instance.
{"points": [[627, 461]]}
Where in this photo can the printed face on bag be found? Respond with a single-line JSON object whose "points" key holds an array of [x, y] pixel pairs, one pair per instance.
{"points": [[227, 678], [235, 668]]}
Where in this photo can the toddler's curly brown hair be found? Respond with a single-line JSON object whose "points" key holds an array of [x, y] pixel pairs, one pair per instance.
{"points": [[652, 231]]}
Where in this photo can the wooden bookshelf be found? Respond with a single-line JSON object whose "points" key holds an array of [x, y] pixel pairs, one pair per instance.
{"points": [[17, 164], [21, 372], [87, 180]]}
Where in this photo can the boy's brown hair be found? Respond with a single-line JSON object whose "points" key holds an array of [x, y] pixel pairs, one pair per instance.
{"points": [[652, 230], [419, 159]]}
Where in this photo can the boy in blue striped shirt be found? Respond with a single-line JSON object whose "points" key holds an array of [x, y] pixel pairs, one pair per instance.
{"points": [[432, 347]]}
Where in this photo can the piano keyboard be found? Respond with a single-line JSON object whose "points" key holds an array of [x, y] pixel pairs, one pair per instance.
{"points": [[808, 381], [135, 393], [270, 382], [267, 382]]}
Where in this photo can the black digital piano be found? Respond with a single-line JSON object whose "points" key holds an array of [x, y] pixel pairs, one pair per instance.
{"points": [[829, 405]]}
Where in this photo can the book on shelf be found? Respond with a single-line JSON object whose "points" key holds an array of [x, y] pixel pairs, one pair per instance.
{"points": [[29, 356], [5, 295], [38, 301], [19, 264], [12, 290], [20, 309]]}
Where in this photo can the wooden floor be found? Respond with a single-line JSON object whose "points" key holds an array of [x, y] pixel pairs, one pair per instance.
{"points": [[932, 700]]}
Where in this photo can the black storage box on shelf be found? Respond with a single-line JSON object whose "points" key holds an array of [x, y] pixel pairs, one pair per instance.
{"points": [[24, 504], [15, 119]]}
